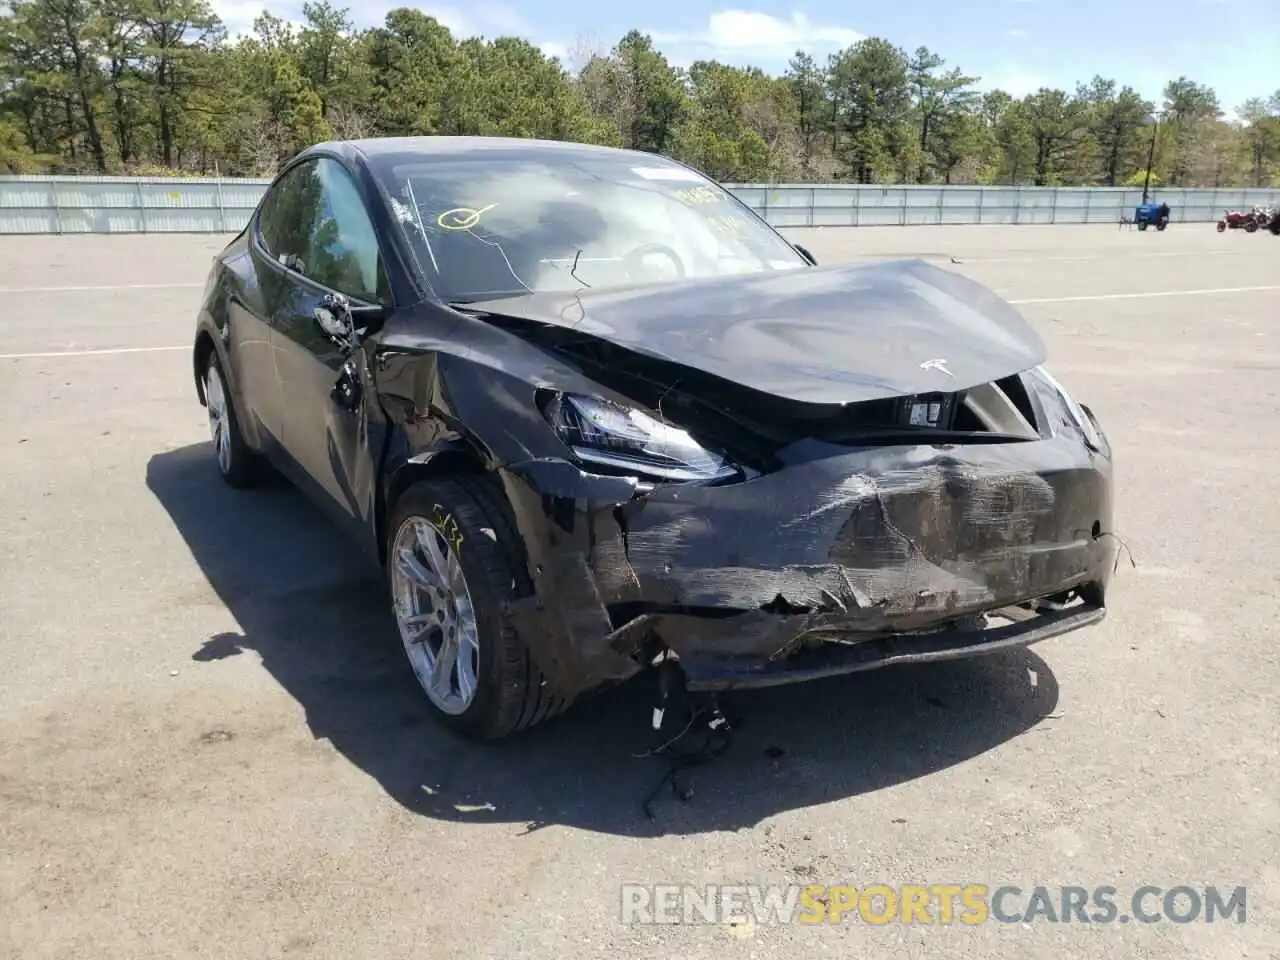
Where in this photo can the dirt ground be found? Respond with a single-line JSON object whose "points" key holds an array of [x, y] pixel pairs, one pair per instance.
{"points": [[210, 745]]}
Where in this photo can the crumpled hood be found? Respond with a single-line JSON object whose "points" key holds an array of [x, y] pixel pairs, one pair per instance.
{"points": [[838, 334]]}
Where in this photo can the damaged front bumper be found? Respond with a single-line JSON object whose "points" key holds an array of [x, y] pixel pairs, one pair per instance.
{"points": [[843, 560]]}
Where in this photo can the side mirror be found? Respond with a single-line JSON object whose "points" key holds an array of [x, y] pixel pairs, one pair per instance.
{"points": [[333, 317], [813, 261], [344, 324]]}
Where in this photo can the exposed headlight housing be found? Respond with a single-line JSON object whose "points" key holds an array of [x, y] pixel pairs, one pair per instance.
{"points": [[1079, 416], [624, 439]]}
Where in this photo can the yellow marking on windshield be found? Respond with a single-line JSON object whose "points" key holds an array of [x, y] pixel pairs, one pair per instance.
{"points": [[695, 196], [462, 218]]}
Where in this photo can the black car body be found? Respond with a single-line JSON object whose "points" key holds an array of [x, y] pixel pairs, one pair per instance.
{"points": [[774, 470]]}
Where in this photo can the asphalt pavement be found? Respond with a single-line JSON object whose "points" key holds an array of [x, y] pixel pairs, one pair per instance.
{"points": [[211, 746]]}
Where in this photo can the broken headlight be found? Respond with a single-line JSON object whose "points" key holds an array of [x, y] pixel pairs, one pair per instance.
{"points": [[1079, 416], [624, 439]]}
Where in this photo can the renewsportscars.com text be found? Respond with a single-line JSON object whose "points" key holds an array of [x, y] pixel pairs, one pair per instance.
{"points": [[943, 904]]}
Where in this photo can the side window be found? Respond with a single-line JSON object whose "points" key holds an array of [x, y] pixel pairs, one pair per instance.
{"points": [[343, 246], [314, 222], [289, 214]]}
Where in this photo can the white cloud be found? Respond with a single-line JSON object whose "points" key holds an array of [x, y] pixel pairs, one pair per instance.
{"points": [[746, 32], [1016, 33], [555, 48], [458, 23], [501, 19], [238, 15], [1014, 81], [487, 19]]}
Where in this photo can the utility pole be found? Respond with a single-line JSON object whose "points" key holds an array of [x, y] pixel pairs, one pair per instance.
{"points": [[1151, 157]]}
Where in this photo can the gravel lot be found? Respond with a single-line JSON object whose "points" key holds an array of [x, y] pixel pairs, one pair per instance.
{"points": [[209, 745]]}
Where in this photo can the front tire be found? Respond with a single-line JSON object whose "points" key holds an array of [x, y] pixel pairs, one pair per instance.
{"points": [[236, 462], [454, 561], [1251, 226]]}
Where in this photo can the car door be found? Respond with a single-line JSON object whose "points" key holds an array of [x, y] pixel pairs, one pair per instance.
{"points": [[280, 236], [324, 411]]}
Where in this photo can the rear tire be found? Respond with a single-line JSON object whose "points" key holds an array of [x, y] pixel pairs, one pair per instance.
{"points": [[471, 521], [237, 464], [1251, 226], [1221, 227]]}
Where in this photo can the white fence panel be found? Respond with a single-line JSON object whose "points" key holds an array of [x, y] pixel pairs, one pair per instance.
{"points": [[960, 205], [188, 205]]}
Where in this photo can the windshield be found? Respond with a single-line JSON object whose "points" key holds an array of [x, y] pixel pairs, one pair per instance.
{"points": [[497, 224]]}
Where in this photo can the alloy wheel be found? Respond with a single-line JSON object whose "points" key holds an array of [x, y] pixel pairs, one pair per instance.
{"points": [[435, 615], [215, 396]]}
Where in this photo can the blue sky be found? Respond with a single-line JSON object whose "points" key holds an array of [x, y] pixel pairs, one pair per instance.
{"points": [[1015, 44]]}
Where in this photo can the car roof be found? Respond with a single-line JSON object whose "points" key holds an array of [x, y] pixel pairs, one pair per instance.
{"points": [[402, 148]]}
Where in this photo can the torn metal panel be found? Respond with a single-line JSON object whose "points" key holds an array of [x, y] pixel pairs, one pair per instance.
{"points": [[576, 553], [864, 543], [712, 669], [958, 523]]}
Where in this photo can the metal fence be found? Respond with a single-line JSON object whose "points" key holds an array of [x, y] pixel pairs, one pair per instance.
{"points": [[152, 205]]}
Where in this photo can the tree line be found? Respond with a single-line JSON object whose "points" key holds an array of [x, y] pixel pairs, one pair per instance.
{"points": [[158, 87]]}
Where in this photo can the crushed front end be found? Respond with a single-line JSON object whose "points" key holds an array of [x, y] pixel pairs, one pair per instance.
{"points": [[931, 528]]}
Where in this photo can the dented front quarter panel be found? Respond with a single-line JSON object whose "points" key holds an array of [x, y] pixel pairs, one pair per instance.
{"points": [[445, 378], [471, 389]]}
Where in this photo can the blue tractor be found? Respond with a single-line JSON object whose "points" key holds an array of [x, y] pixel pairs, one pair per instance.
{"points": [[1148, 214]]}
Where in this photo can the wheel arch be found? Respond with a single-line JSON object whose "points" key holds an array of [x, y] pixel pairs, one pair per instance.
{"points": [[455, 457], [205, 347]]}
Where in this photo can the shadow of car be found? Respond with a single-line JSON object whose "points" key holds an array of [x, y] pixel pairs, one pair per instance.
{"points": [[320, 624]]}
